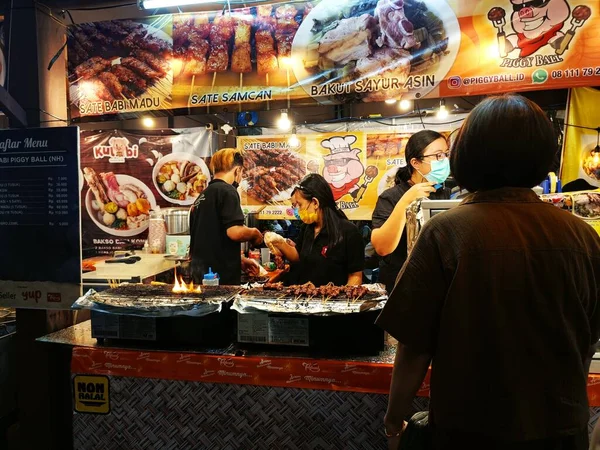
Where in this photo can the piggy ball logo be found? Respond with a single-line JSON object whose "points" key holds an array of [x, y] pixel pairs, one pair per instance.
{"points": [[343, 168], [537, 24]]}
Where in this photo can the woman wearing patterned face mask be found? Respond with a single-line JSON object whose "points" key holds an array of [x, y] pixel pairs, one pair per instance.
{"points": [[329, 248], [427, 168]]}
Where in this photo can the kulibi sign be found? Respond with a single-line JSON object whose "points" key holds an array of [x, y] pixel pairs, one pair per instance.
{"points": [[331, 52]]}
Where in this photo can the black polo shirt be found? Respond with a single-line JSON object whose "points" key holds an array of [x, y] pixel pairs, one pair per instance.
{"points": [[504, 292], [320, 264], [215, 211], [390, 265]]}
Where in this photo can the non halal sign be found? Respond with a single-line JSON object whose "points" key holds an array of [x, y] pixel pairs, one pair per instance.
{"points": [[92, 394]]}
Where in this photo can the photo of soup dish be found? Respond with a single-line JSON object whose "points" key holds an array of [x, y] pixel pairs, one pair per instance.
{"points": [[587, 205], [180, 178], [118, 204], [591, 164]]}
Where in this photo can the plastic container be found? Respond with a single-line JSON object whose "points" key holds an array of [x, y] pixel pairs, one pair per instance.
{"points": [[157, 233], [255, 255], [210, 278]]}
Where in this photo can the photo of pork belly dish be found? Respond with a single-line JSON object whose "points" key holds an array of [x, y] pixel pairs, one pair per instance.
{"points": [[375, 41], [118, 59]]}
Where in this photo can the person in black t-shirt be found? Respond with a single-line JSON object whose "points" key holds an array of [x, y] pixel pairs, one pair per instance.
{"points": [[426, 170], [217, 223], [329, 248]]}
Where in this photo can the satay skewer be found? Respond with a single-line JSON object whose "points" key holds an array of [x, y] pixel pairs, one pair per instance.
{"points": [[212, 87], [241, 87], [267, 85], [192, 87]]}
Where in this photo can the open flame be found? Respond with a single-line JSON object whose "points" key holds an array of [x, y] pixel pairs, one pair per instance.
{"points": [[181, 287]]}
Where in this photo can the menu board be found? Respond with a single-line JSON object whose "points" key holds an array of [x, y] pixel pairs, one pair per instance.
{"points": [[40, 225]]}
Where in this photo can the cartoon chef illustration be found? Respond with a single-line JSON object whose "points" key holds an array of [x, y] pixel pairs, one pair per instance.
{"points": [[536, 24], [343, 168]]}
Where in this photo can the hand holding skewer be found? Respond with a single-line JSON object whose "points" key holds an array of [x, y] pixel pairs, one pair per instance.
{"points": [[370, 174], [497, 16], [581, 13]]}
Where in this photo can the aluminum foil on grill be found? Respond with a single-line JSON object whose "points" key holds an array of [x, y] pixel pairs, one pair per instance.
{"points": [[256, 299], [156, 301]]}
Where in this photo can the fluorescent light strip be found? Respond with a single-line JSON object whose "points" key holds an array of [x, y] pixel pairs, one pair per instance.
{"points": [[157, 4]]}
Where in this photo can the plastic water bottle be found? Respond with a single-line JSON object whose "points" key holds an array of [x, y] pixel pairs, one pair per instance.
{"points": [[210, 278]]}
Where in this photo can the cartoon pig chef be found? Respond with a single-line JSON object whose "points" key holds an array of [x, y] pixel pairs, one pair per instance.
{"points": [[343, 167], [536, 23]]}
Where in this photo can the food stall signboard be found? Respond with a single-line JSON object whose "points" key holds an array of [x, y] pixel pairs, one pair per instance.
{"points": [[327, 52], [40, 229], [358, 167], [127, 174]]}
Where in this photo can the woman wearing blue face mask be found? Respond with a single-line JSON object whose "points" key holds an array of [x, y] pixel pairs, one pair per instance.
{"points": [[424, 175], [329, 248]]}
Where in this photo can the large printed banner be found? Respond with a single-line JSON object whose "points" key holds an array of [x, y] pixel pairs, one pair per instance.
{"points": [[128, 174], [357, 166], [581, 154], [331, 52]]}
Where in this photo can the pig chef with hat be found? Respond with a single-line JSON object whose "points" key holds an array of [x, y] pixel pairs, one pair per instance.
{"points": [[343, 167]]}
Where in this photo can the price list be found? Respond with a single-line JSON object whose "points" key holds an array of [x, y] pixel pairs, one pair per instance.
{"points": [[39, 216], [34, 202]]}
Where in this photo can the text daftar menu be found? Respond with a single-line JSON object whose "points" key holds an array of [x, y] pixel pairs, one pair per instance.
{"points": [[40, 230]]}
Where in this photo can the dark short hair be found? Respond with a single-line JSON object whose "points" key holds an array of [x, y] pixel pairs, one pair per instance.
{"points": [[415, 147], [506, 141]]}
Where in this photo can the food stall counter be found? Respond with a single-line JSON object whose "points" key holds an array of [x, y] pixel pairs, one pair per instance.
{"points": [[231, 398]]}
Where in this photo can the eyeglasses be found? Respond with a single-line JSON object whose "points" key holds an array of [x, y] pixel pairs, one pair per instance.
{"points": [[304, 189], [438, 156], [530, 4], [337, 162]]}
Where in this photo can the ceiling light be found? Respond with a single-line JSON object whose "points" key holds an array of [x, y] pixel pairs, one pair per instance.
{"points": [[442, 112], [148, 122], [284, 122], [157, 4], [405, 105], [391, 101], [293, 141]]}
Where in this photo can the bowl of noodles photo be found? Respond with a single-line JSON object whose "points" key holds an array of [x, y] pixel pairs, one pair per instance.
{"points": [[180, 178]]}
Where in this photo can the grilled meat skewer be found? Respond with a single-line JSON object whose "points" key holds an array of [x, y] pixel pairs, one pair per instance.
{"points": [[140, 67], [91, 67]]}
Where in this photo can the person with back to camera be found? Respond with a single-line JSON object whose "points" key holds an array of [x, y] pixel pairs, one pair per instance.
{"points": [[501, 295], [427, 166], [217, 223], [329, 248]]}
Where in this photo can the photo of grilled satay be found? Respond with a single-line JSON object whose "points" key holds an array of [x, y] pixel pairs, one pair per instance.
{"points": [[91, 67], [129, 78], [112, 83], [285, 30], [140, 67], [160, 65], [117, 59], [220, 34], [241, 57], [266, 55], [270, 173]]}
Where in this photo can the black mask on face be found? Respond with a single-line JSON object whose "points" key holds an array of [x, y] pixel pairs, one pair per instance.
{"points": [[235, 183]]}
